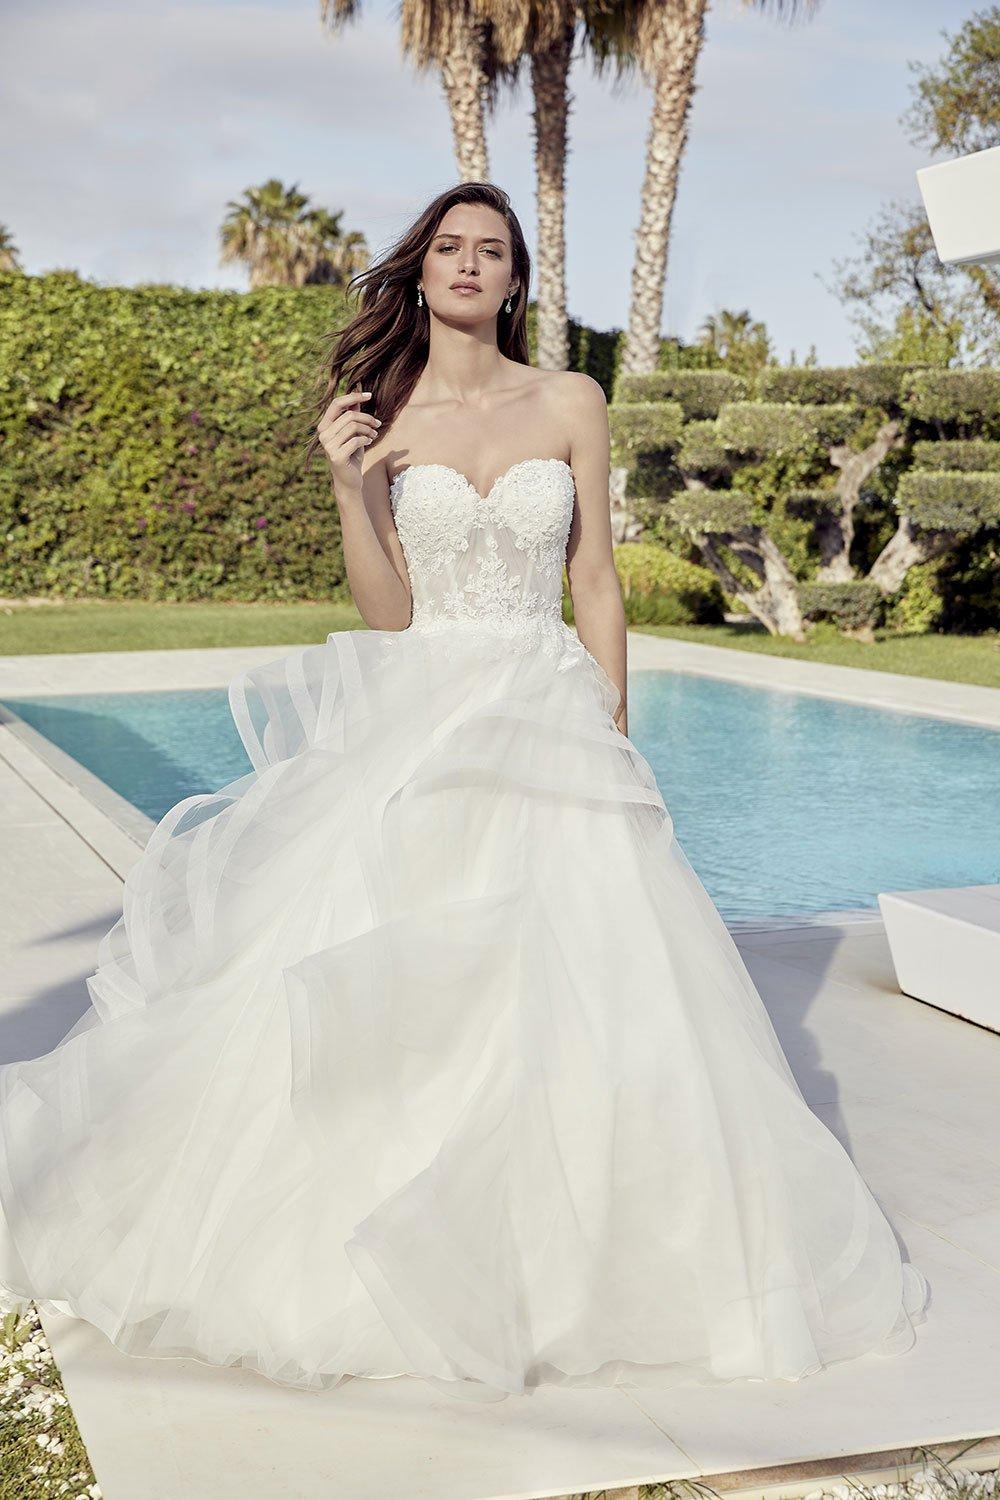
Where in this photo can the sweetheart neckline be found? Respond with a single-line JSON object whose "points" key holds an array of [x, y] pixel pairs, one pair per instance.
{"points": [[483, 499]]}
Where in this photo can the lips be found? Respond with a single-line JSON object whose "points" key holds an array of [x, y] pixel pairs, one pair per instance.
{"points": [[463, 286]]}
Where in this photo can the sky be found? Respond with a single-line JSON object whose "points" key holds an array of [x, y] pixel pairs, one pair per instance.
{"points": [[129, 126]]}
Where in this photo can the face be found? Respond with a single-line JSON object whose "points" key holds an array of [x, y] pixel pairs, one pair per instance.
{"points": [[471, 244]]}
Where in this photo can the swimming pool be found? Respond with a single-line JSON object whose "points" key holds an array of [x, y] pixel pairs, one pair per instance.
{"points": [[785, 804]]}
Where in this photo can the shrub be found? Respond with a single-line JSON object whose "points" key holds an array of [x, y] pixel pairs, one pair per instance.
{"points": [[918, 606], [854, 605], [660, 588]]}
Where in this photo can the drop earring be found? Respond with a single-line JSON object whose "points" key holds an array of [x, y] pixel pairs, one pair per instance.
{"points": [[420, 296], [508, 304]]}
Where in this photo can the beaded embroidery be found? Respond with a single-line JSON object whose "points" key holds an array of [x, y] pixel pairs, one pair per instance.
{"points": [[492, 563]]}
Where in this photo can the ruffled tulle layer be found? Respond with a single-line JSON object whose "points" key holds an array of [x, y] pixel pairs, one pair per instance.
{"points": [[420, 1049]]}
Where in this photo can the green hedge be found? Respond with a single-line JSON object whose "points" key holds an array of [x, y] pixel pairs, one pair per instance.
{"points": [[152, 440]]}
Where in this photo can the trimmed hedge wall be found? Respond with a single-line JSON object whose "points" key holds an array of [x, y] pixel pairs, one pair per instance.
{"points": [[152, 440]]}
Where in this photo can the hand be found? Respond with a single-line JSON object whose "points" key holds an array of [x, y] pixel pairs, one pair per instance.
{"points": [[345, 433]]}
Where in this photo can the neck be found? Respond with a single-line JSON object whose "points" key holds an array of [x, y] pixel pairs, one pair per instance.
{"points": [[463, 365]]}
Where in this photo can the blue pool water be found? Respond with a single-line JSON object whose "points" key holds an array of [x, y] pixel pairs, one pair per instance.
{"points": [[784, 804]]}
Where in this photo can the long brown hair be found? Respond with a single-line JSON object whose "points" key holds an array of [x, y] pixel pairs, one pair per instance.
{"points": [[383, 348]]}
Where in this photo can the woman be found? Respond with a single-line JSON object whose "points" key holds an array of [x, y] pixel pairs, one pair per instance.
{"points": [[420, 1049]]}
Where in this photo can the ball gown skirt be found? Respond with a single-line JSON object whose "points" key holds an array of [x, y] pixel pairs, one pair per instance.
{"points": [[420, 1049]]}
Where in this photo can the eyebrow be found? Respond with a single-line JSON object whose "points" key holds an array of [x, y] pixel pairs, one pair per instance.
{"points": [[484, 239]]}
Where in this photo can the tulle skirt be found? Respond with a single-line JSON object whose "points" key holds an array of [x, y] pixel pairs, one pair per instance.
{"points": [[420, 1049]]}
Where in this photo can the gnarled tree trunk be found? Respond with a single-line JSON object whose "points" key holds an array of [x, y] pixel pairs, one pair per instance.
{"points": [[776, 603], [904, 550], [836, 532]]}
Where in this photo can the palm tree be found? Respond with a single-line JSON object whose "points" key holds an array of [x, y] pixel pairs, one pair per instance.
{"points": [[736, 340], [479, 47], [285, 242], [543, 31], [456, 41], [10, 260], [665, 41], [267, 231], [337, 256]]}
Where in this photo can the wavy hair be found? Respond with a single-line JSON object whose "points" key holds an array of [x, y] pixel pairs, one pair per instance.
{"points": [[383, 348]]}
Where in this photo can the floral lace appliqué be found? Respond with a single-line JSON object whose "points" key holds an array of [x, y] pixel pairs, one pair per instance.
{"points": [[533, 500], [433, 518], [488, 564], [534, 509], [492, 590]]}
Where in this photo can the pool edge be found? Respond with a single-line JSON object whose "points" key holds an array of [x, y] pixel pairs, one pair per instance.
{"points": [[116, 830]]}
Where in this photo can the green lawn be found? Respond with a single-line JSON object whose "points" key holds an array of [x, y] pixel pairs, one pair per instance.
{"points": [[95, 625], [954, 658]]}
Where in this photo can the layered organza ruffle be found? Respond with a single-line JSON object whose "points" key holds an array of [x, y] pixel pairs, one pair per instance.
{"points": [[420, 1049]]}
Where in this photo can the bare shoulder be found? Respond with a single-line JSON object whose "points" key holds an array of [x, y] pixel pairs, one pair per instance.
{"points": [[576, 407], [581, 391]]}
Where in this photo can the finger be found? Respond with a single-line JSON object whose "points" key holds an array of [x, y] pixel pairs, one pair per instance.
{"points": [[346, 443], [342, 403], [351, 422]]}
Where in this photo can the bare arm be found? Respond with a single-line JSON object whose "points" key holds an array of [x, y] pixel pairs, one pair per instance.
{"points": [[593, 581], [373, 556]]}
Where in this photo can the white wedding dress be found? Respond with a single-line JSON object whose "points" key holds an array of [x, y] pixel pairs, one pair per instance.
{"points": [[421, 1049]]}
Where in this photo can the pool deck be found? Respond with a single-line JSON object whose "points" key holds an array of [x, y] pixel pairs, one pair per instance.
{"points": [[910, 1090]]}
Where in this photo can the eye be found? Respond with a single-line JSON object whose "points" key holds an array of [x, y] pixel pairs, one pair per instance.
{"points": [[443, 248]]}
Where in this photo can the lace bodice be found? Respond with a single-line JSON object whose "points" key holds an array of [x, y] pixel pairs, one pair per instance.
{"points": [[492, 563]]}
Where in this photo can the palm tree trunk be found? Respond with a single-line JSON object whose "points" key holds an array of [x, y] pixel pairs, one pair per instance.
{"points": [[672, 40], [549, 77], [462, 77]]}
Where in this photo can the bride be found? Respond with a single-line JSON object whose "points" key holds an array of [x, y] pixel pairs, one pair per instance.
{"points": [[420, 1049]]}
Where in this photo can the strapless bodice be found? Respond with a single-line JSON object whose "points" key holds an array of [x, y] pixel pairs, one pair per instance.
{"points": [[494, 562]]}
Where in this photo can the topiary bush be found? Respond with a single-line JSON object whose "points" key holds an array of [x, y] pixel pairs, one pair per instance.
{"points": [[855, 605]]}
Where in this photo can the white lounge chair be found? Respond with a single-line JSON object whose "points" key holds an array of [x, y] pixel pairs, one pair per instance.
{"points": [[946, 948]]}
